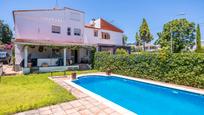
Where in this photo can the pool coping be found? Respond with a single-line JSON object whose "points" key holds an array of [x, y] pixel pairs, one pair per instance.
{"points": [[120, 108], [168, 85], [101, 99]]}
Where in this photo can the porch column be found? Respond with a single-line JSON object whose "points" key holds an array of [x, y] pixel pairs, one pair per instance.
{"points": [[26, 56], [65, 54]]}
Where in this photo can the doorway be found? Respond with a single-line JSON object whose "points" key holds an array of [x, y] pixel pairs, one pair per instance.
{"points": [[74, 56]]}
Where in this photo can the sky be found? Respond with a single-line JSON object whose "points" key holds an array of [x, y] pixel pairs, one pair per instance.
{"points": [[125, 14]]}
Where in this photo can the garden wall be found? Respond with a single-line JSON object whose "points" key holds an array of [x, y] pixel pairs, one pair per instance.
{"points": [[183, 68]]}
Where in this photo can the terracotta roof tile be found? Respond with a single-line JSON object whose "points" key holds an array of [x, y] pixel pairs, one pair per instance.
{"points": [[105, 26]]}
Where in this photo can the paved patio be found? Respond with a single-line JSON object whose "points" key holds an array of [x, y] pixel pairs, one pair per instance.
{"points": [[84, 105], [8, 70]]}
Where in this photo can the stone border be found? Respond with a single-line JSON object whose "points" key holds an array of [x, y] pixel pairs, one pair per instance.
{"points": [[102, 99]]}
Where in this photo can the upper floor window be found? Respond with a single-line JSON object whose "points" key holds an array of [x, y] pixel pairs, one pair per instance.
{"points": [[56, 29], [95, 33], [105, 35], [68, 31], [77, 32]]}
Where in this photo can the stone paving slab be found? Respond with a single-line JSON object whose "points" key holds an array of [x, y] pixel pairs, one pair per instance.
{"points": [[84, 105], [8, 70]]}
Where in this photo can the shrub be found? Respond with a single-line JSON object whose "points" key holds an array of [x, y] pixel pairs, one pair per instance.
{"points": [[183, 68], [121, 51]]}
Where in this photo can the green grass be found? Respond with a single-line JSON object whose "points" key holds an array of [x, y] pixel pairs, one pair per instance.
{"points": [[25, 92]]}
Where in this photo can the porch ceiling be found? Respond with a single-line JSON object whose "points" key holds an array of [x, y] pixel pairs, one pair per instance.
{"points": [[47, 42]]}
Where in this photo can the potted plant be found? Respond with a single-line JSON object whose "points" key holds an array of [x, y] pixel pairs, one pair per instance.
{"points": [[73, 75], [108, 71], [29, 64], [29, 61]]}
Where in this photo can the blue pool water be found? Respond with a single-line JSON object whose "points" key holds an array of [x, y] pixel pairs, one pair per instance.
{"points": [[143, 98]]}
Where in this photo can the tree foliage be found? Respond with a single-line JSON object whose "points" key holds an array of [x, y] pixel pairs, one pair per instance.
{"points": [[182, 32], [5, 33], [198, 39], [144, 33], [125, 39], [138, 39]]}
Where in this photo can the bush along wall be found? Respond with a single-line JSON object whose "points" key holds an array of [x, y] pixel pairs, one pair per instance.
{"points": [[183, 68]]}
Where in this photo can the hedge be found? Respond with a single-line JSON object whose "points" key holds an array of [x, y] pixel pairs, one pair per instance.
{"points": [[183, 68]]}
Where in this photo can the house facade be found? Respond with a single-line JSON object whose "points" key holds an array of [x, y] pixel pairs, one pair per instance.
{"points": [[58, 39]]}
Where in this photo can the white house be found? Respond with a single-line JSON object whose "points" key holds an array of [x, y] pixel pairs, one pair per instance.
{"points": [[58, 39]]}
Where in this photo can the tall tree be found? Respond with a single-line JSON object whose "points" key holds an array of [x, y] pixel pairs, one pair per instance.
{"points": [[145, 34], [138, 39], [180, 33], [198, 38], [5, 33]]}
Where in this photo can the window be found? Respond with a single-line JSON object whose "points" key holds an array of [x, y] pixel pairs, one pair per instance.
{"points": [[56, 29], [77, 32], [95, 33], [105, 35], [68, 31]]}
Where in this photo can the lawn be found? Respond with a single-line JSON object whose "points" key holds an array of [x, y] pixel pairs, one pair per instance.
{"points": [[25, 92]]}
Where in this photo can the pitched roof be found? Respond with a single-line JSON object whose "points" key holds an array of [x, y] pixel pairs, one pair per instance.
{"points": [[105, 25], [108, 26]]}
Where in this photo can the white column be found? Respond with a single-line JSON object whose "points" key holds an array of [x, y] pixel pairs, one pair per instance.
{"points": [[97, 48], [26, 56], [65, 54]]}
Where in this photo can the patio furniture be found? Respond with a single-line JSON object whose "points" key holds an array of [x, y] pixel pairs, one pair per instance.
{"points": [[49, 61]]}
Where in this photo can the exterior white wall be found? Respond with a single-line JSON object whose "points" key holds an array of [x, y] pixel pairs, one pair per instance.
{"points": [[19, 53], [115, 37], [37, 25]]}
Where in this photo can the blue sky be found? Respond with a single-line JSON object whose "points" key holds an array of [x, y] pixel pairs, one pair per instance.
{"points": [[126, 14]]}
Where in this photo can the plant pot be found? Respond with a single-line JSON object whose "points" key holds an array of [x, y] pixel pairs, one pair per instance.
{"points": [[73, 75], [29, 65], [108, 72]]}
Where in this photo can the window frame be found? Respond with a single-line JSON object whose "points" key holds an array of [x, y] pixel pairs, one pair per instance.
{"points": [[77, 31], [69, 31], [95, 33], [56, 29], [106, 35]]}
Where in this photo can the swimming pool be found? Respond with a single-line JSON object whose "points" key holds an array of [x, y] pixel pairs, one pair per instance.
{"points": [[143, 98]]}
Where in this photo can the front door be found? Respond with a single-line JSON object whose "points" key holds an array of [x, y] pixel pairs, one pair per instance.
{"points": [[74, 57]]}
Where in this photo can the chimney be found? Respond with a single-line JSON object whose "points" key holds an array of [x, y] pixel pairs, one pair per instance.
{"points": [[92, 22]]}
